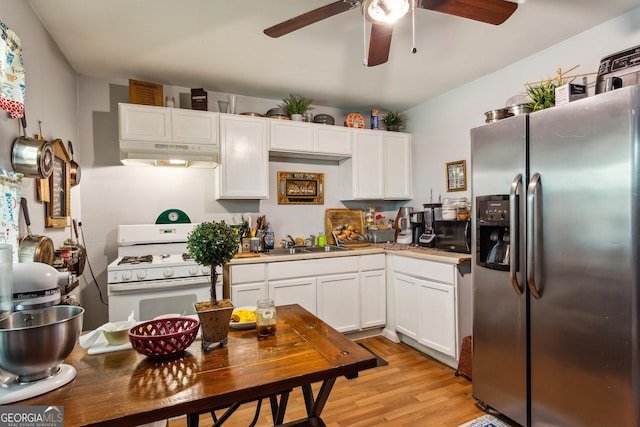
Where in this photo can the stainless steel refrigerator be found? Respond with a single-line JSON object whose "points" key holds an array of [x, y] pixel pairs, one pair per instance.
{"points": [[555, 285]]}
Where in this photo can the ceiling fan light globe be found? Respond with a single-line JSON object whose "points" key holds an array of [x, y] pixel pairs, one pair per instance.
{"points": [[385, 12]]}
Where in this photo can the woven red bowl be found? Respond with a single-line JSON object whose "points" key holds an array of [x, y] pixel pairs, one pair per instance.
{"points": [[163, 338]]}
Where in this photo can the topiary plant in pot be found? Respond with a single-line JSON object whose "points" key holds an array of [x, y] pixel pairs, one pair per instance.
{"points": [[212, 244]]}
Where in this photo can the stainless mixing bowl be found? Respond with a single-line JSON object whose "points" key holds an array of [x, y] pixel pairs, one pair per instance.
{"points": [[34, 343]]}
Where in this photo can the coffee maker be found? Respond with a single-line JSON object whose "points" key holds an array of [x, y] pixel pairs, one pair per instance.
{"points": [[428, 237], [404, 234], [417, 225]]}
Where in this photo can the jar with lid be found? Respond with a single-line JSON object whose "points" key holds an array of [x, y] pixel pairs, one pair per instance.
{"points": [[266, 317]]}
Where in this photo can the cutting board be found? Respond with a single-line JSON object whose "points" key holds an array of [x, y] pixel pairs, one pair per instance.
{"points": [[247, 255], [336, 217]]}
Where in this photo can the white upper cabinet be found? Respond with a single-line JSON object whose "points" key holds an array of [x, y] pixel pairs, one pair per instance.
{"points": [[193, 126], [380, 168], [160, 124], [309, 140], [397, 166], [243, 172]]}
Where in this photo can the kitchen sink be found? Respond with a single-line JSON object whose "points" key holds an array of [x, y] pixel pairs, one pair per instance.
{"points": [[305, 250], [287, 251], [316, 249]]}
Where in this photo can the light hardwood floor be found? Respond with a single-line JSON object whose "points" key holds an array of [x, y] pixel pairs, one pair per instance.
{"points": [[412, 390]]}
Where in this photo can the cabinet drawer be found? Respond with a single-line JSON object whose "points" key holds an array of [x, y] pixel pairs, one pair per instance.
{"points": [[316, 267], [431, 270], [247, 273], [372, 262]]}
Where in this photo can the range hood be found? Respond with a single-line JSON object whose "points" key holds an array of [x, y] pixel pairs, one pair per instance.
{"points": [[149, 153]]}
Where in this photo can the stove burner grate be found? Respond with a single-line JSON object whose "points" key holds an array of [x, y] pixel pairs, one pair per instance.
{"points": [[144, 259]]}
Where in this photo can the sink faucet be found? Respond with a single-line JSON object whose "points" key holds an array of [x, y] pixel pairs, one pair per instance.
{"points": [[311, 239], [291, 243]]}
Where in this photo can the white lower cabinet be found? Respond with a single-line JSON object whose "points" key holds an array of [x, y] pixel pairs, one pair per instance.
{"points": [[294, 291], [432, 304], [249, 284], [349, 293], [438, 317], [339, 301]]}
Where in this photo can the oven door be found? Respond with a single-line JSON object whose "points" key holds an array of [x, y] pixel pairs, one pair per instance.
{"points": [[157, 297]]}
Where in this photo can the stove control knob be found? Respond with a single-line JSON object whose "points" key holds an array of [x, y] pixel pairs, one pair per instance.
{"points": [[206, 269], [193, 270], [141, 275], [168, 272], [127, 275]]}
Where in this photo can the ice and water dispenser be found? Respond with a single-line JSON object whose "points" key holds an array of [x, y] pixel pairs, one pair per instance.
{"points": [[492, 231]]}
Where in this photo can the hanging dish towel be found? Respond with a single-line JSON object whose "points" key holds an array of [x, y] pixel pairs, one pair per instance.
{"points": [[12, 82]]}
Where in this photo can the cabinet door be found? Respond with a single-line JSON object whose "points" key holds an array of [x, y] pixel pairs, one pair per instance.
{"points": [[288, 136], [192, 126], [248, 293], [294, 291], [407, 291], [373, 298], [367, 165], [144, 123], [333, 140], [338, 301], [397, 166], [243, 171], [438, 317]]}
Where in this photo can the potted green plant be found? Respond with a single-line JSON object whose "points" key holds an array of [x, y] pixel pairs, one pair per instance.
{"points": [[541, 96], [393, 121], [212, 244], [296, 106]]}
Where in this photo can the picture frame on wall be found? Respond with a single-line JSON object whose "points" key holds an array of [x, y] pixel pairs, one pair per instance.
{"points": [[457, 175]]}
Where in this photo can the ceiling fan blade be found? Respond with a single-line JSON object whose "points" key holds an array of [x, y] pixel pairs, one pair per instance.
{"points": [[379, 44], [310, 17], [490, 11]]}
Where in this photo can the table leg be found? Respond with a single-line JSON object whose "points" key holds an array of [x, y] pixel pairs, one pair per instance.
{"points": [[315, 406]]}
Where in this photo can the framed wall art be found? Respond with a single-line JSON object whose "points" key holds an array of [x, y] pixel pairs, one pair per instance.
{"points": [[457, 176], [300, 188]]}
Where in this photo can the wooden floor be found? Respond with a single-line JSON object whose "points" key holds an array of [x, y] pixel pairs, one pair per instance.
{"points": [[412, 390]]}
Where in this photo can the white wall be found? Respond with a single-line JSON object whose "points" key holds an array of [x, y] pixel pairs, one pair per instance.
{"points": [[441, 125]]}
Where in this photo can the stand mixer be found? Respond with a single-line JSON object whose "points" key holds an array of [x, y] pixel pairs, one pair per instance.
{"points": [[37, 337]]}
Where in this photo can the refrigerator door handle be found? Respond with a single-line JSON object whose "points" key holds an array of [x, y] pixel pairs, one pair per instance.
{"points": [[514, 215], [534, 220]]}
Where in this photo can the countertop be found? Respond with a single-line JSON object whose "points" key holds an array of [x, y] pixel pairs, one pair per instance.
{"points": [[399, 250]]}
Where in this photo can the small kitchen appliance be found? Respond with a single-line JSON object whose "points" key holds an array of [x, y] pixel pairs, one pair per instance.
{"points": [[453, 235], [154, 275], [403, 226], [417, 225], [428, 237], [618, 70], [37, 321]]}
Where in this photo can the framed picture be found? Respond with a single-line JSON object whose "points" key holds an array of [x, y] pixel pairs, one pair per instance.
{"points": [[300, 188], [59, 188], [457, 176]]}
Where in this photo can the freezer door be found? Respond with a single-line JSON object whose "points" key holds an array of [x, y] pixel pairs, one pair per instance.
{"points": [[584, 325], [498, 155]]}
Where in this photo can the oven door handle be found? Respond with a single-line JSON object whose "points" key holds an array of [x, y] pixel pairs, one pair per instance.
{"points": [[130, 287]]}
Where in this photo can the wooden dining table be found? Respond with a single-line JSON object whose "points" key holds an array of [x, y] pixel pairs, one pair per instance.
{"points": [[125, 388]]}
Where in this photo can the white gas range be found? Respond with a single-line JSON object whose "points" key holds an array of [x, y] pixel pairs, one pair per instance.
{"points": [[153, 274]]}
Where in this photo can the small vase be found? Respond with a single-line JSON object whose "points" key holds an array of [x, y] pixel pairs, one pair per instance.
{"points": [[296, 117], [214, 322]]}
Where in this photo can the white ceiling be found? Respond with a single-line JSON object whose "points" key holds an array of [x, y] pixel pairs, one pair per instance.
{"points": [[219, 45]]}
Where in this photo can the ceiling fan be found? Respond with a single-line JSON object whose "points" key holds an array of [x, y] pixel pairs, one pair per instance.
{"points": [[383, 13]]}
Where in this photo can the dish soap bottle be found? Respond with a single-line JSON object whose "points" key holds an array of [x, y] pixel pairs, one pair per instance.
{"points": [[322, 239]]}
